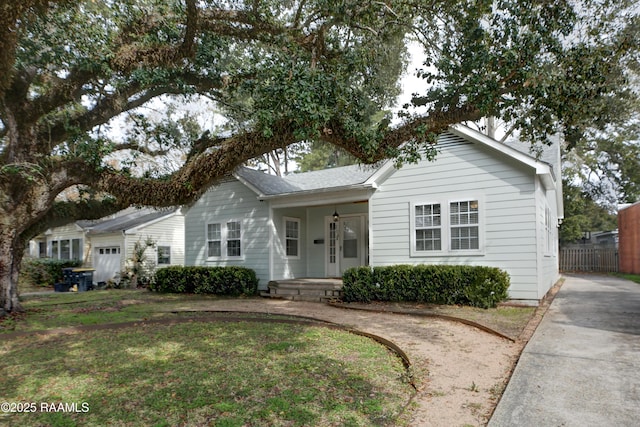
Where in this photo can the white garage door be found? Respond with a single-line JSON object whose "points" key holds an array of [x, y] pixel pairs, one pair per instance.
{"points": [[107, 263]]}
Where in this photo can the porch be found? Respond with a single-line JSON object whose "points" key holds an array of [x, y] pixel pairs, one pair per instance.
{"points": [[305, 289]]}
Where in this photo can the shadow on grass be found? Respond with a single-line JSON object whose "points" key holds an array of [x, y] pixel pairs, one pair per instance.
{"points": [[197, 373]]}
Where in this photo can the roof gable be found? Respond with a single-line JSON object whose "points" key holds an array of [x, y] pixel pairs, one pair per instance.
{"points": [[327, 179], [129, 220]]}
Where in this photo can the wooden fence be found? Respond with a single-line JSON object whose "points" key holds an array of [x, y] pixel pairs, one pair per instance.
{"points": [[589, 259]]}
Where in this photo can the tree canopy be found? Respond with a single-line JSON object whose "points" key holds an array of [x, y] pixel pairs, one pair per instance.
{"points": [[280, 72]]}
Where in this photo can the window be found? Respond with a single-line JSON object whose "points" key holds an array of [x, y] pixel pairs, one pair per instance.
{"points": [[427, 222], [65, 249], [224, 240], [445, 227], [42, 249], [233, 239], [76, 249], [164, 255], [464, 225], [214, 240], [292, 237], [54, 250]]}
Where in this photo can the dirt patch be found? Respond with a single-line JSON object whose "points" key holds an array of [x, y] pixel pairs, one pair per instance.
{"points": [[460, 370]]}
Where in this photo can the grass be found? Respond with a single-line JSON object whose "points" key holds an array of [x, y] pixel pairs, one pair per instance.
{"points": [[191, 373], [632, 277]]}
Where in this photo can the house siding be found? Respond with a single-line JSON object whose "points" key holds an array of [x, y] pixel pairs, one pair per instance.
{"points": [[462, 170], [168, 231], [230, 200], [288, 267]]}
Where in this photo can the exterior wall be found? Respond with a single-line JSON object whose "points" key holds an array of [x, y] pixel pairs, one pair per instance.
{"points": [[166, 232], [230, 200], [548, 257], [463, 171], [288, 267], [316, 261], [66, 232], [629, 239]]}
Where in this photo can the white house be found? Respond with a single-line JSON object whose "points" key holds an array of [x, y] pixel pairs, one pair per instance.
{"points": [[106, 244], [479, 203]]}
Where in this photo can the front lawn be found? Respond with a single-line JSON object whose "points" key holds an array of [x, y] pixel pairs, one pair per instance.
{"points": [[204, 373]]}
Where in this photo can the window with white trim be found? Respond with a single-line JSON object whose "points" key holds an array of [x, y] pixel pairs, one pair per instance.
{"points": [[444, 227], [234, 234], [224, 239], [164, 255], [70, 249], [464, 222], [214, 240], [428, 227], [292, 237]]}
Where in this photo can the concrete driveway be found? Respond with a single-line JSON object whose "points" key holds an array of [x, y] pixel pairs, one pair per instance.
{"points": [[582, 365]]}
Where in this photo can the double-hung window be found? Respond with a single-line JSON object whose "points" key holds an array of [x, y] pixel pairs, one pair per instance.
{"points": [[224, 239], [445, 227], [292, 237], [464, 222], [234, 234], [428, 227]]}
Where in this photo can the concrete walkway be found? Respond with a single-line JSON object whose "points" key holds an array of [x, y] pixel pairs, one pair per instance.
{"points": [[582, 365]]}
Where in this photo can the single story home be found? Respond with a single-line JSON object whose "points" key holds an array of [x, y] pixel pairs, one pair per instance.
{"points": [[481, 202], [106, 244]]}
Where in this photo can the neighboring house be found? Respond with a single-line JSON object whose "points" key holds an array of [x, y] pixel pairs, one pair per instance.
{"points": [[479, 203], [629, 238], [106, 244]]}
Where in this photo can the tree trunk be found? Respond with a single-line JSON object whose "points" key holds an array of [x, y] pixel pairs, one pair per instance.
{"points": [[11, 254]]}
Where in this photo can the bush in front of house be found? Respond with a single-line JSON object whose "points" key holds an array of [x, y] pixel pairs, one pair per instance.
{"points": [[45, 271], [232, 281], [474, 286]]}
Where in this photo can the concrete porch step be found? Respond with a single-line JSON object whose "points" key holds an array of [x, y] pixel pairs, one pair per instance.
{"points": [[319, 290]]}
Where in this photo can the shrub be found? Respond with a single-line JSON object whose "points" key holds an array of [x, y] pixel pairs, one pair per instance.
{"points": [[475, 286], [45, 271], [206, 280]]}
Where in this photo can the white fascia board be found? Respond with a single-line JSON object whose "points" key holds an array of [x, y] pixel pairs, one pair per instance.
{"points": [[542, 169], [249, 185], [320, 197], [137, 228]]}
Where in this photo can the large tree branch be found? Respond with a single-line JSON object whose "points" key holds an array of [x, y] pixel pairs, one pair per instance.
{"points": [[434, 123], [185, 185]]}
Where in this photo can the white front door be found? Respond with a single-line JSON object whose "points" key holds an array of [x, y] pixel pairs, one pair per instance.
{"points": [[345, 246]]}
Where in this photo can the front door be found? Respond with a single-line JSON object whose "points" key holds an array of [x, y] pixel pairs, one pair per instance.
{"points": [[345, 244]]}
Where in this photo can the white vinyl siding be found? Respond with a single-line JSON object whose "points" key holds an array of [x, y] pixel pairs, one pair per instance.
{"points": [[462, 172], [225, 202]]}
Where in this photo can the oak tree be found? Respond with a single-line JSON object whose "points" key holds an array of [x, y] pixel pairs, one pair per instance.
{"points": [[281, 72]]}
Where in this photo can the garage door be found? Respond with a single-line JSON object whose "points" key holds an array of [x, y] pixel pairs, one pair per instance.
{"points": [[107, 263]]}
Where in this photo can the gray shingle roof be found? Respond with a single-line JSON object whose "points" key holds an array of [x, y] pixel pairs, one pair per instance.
{"points": [[271, 185], [131, 219]]}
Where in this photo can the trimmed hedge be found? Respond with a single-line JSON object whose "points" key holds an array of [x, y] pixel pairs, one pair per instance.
{"points": [[45, 271], [435, 284], [233, 281]]}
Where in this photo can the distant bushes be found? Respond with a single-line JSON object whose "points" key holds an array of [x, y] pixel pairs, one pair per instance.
{"points": [[206, 280], [44, 271], [436, 284]]}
